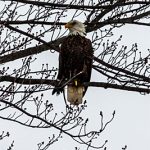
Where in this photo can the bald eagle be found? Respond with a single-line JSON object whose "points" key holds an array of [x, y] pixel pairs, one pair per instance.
{"points": [[75, 63]]}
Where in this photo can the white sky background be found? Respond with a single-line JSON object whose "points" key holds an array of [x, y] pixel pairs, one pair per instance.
{"points": [[131, 125]]}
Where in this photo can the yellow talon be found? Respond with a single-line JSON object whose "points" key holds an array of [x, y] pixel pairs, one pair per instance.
{"points": [[76, 82]]}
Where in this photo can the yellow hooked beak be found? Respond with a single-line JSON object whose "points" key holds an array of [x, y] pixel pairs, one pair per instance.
{"points": [[68, 25]]}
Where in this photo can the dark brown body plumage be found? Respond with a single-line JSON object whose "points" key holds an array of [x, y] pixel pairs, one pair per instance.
{"points": [[75, 56]]}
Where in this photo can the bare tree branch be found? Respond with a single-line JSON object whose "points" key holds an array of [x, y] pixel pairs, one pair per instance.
{"points": [[70, 6], [54, 82]]}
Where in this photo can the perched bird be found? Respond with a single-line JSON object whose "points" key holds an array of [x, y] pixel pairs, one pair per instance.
{"points": [[75, 63]]}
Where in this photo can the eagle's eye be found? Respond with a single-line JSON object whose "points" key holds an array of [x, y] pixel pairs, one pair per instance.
{"points": [[73, 23]]}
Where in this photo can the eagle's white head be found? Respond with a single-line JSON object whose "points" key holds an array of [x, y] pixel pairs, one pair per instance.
{"points": [[76, 28]]}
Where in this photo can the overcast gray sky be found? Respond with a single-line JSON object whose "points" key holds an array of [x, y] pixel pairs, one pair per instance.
{"points": [[131, 125]]}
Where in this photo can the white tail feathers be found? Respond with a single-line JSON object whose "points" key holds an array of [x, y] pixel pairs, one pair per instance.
{"points": [[75, 94]]}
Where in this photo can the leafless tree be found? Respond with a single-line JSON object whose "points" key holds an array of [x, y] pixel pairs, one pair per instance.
{"points": [[28, 28]]}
